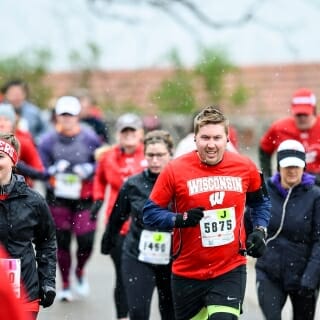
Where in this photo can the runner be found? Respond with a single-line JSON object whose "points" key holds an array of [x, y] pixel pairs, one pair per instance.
{"points": [[303, 125], [114, 167], [27, 233], [67, 151], [146, 262], [202, 196]]}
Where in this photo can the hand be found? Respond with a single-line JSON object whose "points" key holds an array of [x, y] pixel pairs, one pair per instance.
{"points": [[95, 209], [256, 243], [59, 167], [107, 242], [306, 292], [47, 295], [190, 218], [83, 170]]}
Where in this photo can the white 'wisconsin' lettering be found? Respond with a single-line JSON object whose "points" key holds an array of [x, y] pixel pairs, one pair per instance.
{"points": [[217, 183]]}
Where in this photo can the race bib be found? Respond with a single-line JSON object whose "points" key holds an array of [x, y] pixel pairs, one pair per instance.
{"points": [[13, 269], [217, 227], [155, 247], [67, 186]]}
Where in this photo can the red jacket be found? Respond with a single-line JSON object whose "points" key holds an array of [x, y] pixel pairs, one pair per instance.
{"points": [[10, 306], [113, 169], [286, 128], [28, 152]]}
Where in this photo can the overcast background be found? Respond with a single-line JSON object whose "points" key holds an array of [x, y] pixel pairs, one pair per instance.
{"points": [[282, 31]]}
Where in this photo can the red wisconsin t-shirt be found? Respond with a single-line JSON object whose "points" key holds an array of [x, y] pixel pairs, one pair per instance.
{"points": [[286, 128], [221, 189]]}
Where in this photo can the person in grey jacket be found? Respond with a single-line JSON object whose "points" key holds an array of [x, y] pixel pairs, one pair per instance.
{"points": [[290, 265], [27, 233]]}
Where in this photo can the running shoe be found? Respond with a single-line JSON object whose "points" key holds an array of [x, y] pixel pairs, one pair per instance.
{"points": [[65, 295], [82, 288]]}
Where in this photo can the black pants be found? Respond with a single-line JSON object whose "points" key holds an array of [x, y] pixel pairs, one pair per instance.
{"points": [[120, 297], [272, 299], [140, 279]]}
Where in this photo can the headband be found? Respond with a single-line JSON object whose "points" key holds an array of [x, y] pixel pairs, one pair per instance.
{"points": [[8, 149]]}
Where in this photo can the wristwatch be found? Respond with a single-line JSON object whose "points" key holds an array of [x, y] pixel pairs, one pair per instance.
{"points": [[263, 229]]}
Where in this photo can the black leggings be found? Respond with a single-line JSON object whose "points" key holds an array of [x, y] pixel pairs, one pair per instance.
{"points": [[140, 279], [272, 299], [120, 297]]}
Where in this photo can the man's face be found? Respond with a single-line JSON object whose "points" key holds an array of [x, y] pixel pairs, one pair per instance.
{"points": [[304, 121], [211, 142]]}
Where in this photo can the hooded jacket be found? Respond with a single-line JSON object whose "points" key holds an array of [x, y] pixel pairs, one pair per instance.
{"points": [[292, 258], [27, 232]]}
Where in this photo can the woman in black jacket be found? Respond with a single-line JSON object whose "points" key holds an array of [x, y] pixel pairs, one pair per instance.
{"points": [[290, 265], [146, 256], [27, 232]]}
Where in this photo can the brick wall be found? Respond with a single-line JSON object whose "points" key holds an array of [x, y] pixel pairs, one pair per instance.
{"points": [[270, 88]]}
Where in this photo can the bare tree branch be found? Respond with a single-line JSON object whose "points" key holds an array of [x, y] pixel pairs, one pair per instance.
{"points": [[169, 6]]}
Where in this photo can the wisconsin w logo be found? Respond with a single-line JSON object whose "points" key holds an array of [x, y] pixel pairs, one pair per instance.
{"points": [[216, 198]]}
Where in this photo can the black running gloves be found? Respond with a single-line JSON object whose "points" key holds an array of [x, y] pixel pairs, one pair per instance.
{"points": [[189, 218]]}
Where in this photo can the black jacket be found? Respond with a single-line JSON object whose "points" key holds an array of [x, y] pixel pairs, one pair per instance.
{"points": [[293, 257], [131, 199], [27, 232]]}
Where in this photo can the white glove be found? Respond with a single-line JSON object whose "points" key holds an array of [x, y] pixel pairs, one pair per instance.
{"points": [[59, 167], [84, 170]]}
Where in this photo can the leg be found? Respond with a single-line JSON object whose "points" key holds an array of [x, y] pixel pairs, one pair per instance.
{"points": [[226, 294], [63, 220], [271, 298], [163, 283], [119, 290], [139, 282], [303, 307], [84, 229], [85, 247], [64, 255]]}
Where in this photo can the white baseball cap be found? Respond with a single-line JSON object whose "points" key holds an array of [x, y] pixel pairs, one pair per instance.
{"points": [[68, 105], [291, 153]]}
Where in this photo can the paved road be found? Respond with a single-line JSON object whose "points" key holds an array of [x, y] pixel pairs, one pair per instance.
{"points": [[99, 305]]}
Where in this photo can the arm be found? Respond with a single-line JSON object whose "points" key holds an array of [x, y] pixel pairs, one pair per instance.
{"points": [[99, 180], [155, 216], [30, 171], [311, 275], [45, 245], [260, 204], [119, 214], [265, 162]]}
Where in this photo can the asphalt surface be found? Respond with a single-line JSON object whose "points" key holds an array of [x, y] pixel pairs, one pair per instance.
{"points": [[99, 304]]}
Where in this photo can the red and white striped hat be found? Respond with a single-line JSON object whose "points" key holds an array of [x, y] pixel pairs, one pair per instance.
{"points": [[303, 102]]}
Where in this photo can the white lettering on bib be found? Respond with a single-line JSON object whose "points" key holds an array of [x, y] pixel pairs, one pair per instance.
{"points": [[155, 247], [217, 227]]}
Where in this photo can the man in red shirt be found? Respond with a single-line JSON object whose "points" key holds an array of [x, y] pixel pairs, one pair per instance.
{"points": [[202, 196], [303, 125]]}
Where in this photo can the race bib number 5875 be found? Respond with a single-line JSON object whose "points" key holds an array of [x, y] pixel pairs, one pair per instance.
{"points": [[217, 227]]}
